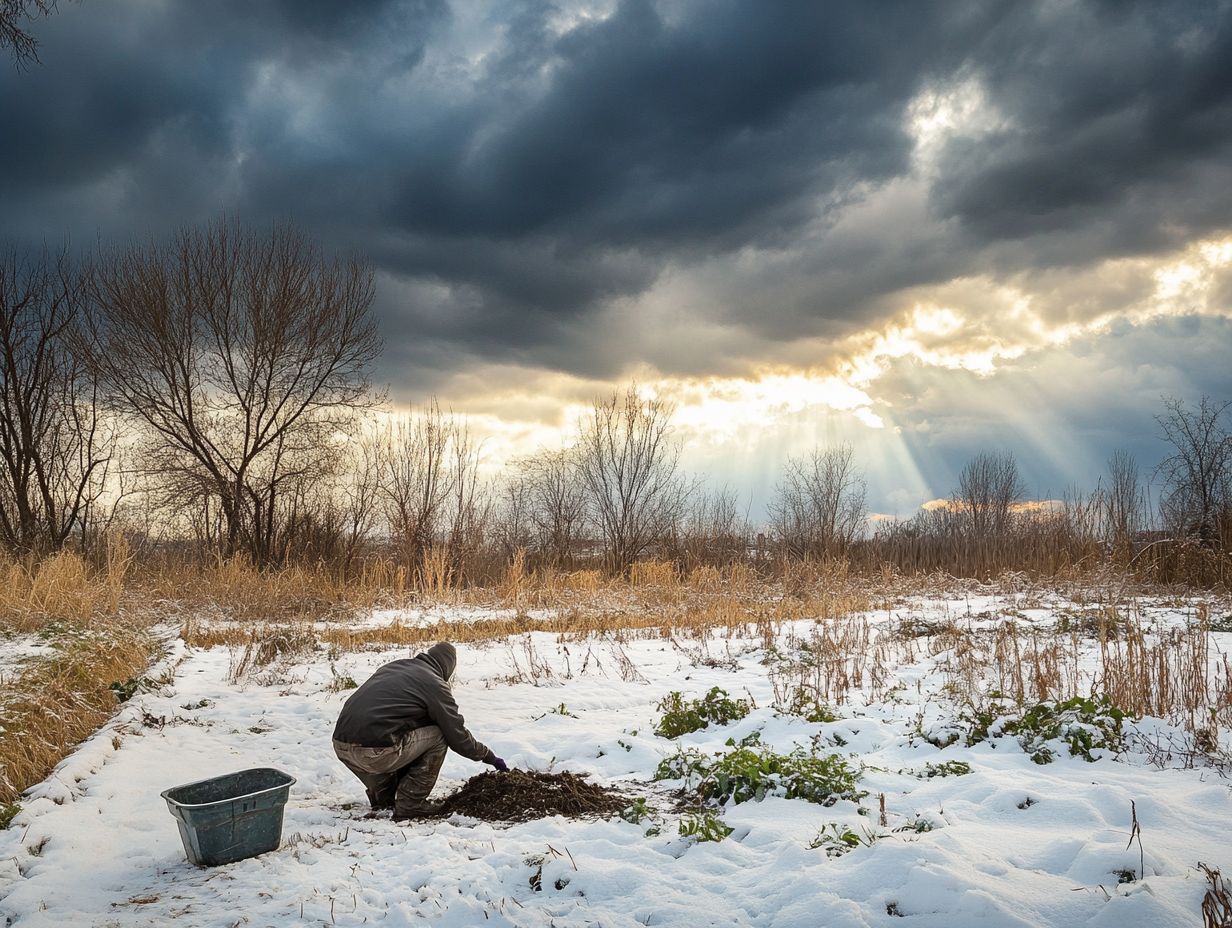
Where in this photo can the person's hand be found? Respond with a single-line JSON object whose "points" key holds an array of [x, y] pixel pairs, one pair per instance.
{"points": [[500, 764]]}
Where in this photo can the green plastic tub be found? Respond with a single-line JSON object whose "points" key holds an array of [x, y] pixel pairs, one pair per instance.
{"points": [[228, 818]]}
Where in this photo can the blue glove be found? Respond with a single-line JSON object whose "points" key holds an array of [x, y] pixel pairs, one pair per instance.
{"points": [[499, 764]]}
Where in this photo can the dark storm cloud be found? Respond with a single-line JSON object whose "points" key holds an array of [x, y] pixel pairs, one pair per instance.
{"points": [[652, 133], [509, 177], [1111, 108]]}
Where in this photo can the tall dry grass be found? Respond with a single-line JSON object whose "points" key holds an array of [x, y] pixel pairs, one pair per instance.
{"points": [[657, 602], [56, 702], [234, 588], [1173, 674], [63, 587], [50, 703]]}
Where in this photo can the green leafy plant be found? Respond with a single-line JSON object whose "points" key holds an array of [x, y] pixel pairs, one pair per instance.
{"points": [[340, 682], [131, 687], [752, 773], [838, 840], [949, 768], [688, 764], [746, 774], [8, 811], [803, 703], [681, 716], [1084, 724], [749, 740], [638, 812], [635, 812], [704, 826]]}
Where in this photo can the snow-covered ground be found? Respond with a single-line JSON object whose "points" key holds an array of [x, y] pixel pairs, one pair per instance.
{"points": [[16, 650], [1010, 843]]}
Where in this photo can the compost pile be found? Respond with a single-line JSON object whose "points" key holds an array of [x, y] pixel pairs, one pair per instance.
{"points": [[523, 795]]}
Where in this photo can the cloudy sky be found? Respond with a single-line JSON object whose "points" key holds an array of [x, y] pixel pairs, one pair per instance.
{"points": [[924, 229]]}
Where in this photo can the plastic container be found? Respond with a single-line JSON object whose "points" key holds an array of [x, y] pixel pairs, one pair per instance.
{"points": [[231, 817]]}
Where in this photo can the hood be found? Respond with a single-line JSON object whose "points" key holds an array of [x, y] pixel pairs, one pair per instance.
{"points": [[443, 657]]}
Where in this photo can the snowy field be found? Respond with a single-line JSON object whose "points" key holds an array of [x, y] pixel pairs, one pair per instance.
{"points": [[1011, 842]]}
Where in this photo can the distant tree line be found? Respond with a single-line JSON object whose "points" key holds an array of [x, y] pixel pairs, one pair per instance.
{"points": [[213, 391]]}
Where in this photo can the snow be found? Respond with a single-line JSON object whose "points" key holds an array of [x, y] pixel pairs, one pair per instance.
{"points": [[95, 845], [17, 650]]}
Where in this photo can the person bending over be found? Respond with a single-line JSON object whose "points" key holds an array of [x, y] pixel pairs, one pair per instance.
{"points": [[393, 732]]}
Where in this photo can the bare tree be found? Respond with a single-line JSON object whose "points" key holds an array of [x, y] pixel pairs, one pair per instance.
{"points": [[1197, 476], [245, 355], [511, 526], [1120, 502], [468, 507], [358, 495], [414, 478], [716, 529], [819, 507], [542, 508], [56, 447], [630, 467], [14, 31], [428, 468], [988, 487], [556, 504]]}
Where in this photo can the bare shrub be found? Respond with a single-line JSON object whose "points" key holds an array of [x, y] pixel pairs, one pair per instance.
{"points": [[1122, 507], [819, 508], [555, 505], [716, 529], [267, 643], [435, 508], [511, 530]]}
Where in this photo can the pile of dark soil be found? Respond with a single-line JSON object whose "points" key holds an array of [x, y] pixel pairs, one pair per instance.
{"points": [[522, 795]]}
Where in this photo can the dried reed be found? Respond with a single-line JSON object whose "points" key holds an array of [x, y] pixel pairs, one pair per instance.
{"points": [[56, 702]]}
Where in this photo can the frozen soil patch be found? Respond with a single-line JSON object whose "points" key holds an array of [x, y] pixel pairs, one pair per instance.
{"points": [[522, 796]]}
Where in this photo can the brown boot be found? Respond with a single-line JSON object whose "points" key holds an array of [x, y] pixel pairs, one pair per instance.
{"points": [[422, 808]]}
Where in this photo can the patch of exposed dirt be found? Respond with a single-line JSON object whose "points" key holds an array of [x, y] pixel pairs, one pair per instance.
{"points": [[523, 795]]}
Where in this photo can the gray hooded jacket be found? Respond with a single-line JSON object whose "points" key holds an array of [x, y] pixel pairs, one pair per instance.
{"points": [[407, 694]]}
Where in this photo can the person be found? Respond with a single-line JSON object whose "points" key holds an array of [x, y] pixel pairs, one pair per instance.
{"points": [[394, 731]]}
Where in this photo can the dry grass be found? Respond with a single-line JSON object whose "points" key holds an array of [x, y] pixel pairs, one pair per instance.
{"points": [[1171, 675], [63, 587], [266, 644], [278, 616], [661, 574], [56, 702], [1217, 901], [577, 603], [52, 703], [235, 589]]}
